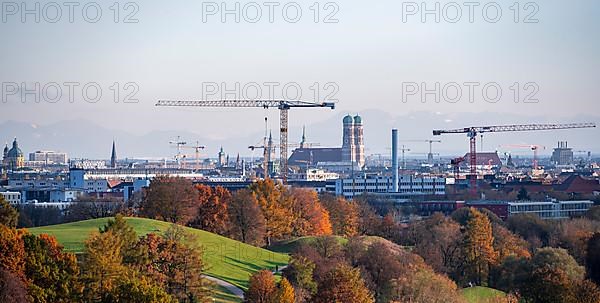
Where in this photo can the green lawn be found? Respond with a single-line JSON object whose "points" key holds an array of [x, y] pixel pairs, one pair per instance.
{"points": [[288, 246], [227, 259], [480, 294]]}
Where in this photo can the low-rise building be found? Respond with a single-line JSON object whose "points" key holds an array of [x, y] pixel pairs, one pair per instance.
{"points": [[11, 197], [408, 185]]}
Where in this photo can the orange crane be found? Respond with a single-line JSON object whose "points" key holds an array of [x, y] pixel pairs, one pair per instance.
{"points": [[473, 131], [283, 105], [534, 147]]}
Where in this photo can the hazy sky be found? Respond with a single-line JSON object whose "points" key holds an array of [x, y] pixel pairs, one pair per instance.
{"points": [[369, 56]]}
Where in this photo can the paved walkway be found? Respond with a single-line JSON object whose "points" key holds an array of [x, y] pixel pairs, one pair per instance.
{"points": [[238, 292]]}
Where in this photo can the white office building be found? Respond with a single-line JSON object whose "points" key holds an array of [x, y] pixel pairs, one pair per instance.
{"points": [[408, 185], [11, 197]]}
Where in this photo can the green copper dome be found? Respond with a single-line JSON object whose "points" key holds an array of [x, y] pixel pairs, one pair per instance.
{"points": [[358, 119], [15, 151], [348, 119]]}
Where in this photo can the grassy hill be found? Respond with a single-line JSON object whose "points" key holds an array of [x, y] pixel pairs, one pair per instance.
{"points": [[288, 246], [480, 294], [227, 259]]}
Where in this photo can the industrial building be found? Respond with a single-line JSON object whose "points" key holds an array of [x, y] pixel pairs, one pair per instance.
{"points": [[562, 154]]}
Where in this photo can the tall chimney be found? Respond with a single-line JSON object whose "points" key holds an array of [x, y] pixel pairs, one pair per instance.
{"points": [[395, 159]]}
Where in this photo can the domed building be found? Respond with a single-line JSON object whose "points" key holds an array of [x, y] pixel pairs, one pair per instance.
{"points": [[13, 158]]}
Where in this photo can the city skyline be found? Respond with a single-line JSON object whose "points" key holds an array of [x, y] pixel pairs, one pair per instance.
{"points": [[363, 65]]}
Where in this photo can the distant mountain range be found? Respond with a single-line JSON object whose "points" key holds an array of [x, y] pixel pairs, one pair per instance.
{"points": [[84, 139]]}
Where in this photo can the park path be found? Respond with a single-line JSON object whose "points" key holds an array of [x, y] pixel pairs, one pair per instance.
{"points": [[238, 292]]}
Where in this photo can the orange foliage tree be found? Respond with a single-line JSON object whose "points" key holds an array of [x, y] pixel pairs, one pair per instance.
{"points": [[275, 205], [478, 247], [343, 214], [310, 217], [262, 288], [343, 284], [12, 250], [212, 209], [171, 199]]}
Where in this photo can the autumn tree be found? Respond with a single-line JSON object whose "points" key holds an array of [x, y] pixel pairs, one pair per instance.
{"points": [[531, 228], [9, 216], [343, 214], [593, 258], [102, 265], [300, 274], [261, 288], [52, 274], [12, 288], [139, 290], [285, 292], [508, 244], [275, 204], [573, 235], [171, 199], [425, 286], [343, 284], [310, 217], [551, 276], [12, 250], [438, 240], [246, 218], [381, 266], [175, 262], [212, 209], [131, 252], [478, 247]]}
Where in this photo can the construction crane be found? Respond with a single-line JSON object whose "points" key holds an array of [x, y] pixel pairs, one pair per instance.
{"points": [[534, 147], [283, 105], [404, 149], [473, 131], [196, 149], [431, 154], [178, 144]]}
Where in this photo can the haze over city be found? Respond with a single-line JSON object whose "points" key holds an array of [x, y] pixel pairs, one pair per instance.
{"points": [[300, 151]]}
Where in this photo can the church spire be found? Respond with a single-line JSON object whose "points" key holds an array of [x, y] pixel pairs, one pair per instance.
{"points": [[303, 142], [113, 156]]}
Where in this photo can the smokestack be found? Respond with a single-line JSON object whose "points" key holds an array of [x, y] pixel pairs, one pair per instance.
{"points": [[395, 159]]}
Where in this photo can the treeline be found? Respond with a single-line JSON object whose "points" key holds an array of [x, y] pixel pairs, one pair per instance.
{"points": [[477, 248], [116, 266], [258, 215]]}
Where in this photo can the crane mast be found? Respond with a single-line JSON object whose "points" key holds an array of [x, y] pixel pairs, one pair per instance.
{"points": [[283, 105], [473, 131]]}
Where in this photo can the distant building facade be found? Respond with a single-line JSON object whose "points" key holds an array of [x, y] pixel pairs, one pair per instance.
{"points": [[11, 197], [49, 157], [409, 185], [562, 154]]}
